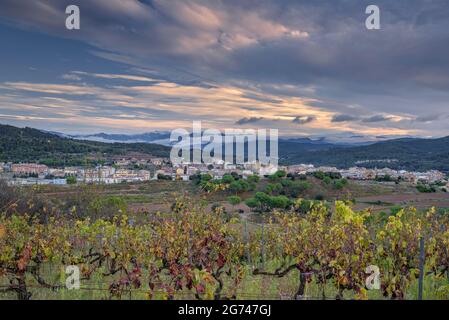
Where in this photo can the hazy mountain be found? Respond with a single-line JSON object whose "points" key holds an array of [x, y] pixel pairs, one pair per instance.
{"points": [[160, 137], [163, 137]]}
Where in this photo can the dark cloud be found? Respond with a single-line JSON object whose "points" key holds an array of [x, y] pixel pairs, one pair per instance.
{"points": [[343, 118], [248, 120], [428, 118], [309, 49], [376, 118], [223, 38], [303, 119]]}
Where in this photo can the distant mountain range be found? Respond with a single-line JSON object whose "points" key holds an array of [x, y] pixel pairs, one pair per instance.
{"points": [[163, 137], [158, 137], [27, 144]]}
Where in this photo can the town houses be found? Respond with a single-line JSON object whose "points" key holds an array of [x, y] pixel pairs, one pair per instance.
{"points": [[111, 175], [128, 170], [29, 168], [382, 174]]}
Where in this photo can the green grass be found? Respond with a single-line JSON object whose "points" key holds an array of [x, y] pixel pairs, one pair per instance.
{"points": [[251, 288]]}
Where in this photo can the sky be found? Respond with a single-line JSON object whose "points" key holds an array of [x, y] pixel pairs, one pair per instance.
{"points": [[307, 68]]}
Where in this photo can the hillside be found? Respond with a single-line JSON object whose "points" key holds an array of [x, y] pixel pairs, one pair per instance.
{"points": [[27, 144], [408, 154]]}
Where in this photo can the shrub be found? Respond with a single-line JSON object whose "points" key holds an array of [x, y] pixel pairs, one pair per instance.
{"points": [[340, 184], [297, 188], [234, 200], [227, 178], [279, 202], [253, 179], [425, 188], [253, 203], [71, 180]]}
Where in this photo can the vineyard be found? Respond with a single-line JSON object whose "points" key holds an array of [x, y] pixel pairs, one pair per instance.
{"points": [[192, 253]]}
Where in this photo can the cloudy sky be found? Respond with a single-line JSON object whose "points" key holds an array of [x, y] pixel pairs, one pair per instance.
{"points": [[309, 68]]}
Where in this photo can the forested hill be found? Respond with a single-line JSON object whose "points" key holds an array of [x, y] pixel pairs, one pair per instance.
{"points": [[409, 154], [32, 145]]}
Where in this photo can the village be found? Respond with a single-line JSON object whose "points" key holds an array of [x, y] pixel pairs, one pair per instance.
{"points": [[129, 170]]}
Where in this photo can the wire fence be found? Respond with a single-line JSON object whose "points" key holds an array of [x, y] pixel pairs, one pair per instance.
{"points": [[130, 293]]}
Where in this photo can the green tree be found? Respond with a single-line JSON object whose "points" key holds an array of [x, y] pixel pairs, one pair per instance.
{"points": [[279, 202], [71, 180], [227, 178], [281, 173], [286, 183], [235, 187], [239, 186], [273, 188], [253, 203], [234, 200], [297, 188], [253, 179], [340, 184], [264, 200], [319, 175]]}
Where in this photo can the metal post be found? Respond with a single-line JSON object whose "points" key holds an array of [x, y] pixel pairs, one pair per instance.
{"points": [[421, 267], [263, 245], [248, 255]]}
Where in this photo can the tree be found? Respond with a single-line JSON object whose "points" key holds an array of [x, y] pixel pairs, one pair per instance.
{"points": [[280, 173], [227, 178], [253, 179], [286, 183], [297, 188], [234, 200], [273, 188], [238, 186], [235, 187], [425, 188], [253, 203], [319, 175], [71, 180], [264, 200], [340, 184], [279, 202]]}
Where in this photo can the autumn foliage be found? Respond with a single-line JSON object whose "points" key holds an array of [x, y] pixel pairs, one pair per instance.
{"points": [[192, 252]]}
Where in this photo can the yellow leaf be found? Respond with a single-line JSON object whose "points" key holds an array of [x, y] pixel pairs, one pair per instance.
{"points": [[2, 231]]}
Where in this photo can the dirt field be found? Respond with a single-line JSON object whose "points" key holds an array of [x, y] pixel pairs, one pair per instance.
{"points": [[156, 196], [417, 200]]}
